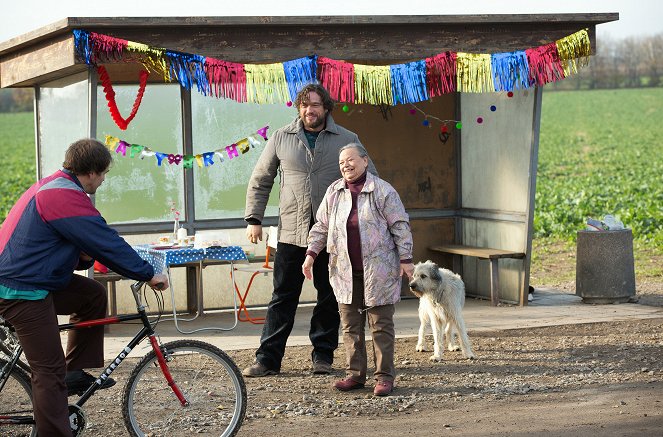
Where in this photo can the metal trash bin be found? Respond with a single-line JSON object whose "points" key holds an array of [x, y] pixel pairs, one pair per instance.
{"points": [[605, 271]]}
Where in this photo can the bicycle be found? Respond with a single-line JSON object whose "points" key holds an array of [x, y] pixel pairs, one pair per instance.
{"points": [[178, 388]]}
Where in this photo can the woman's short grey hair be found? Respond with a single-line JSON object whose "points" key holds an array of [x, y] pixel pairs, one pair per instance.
{"points": [[358, 147]]}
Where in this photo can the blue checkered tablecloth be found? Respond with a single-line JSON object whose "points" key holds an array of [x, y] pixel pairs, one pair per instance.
{"points": [[161, 259]]}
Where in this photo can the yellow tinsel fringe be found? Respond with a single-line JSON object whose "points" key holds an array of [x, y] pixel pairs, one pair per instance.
{"points": [[265, 83], [152, 59], [574, 51], [474, 73], [373, 85]]}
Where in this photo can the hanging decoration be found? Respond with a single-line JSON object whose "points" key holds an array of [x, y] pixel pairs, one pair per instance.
{"points": [[266, 83], [205, 159], [573, 53], [408, 82], [348, 83], [121, 122], [338, 78], [544, 64], [474, 73], [441, 74], [299, 73], [510, 71]]}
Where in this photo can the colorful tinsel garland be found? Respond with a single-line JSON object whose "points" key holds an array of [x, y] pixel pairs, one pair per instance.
{"points": [[352, 83]]}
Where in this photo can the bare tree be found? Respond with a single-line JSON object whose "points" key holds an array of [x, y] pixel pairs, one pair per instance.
{"points": [[653, 59]]}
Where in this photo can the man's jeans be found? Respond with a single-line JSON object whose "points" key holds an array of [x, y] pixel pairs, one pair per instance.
{"points": [[280, 318]]}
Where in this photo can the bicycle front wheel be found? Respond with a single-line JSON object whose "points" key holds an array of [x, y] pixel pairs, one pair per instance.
{"points": [[16, 403], [210, 381]]}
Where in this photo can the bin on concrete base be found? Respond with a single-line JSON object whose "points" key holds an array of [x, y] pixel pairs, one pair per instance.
{"points": [[605, 270]]}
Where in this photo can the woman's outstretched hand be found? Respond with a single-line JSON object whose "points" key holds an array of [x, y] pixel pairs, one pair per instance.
{"points": [[306, 267]]}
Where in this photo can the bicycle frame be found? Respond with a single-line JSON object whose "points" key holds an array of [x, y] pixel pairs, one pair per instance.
{"points": [[147, 331]]}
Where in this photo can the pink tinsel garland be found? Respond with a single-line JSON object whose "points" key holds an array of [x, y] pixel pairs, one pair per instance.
{"points": [[338, 78], [226, 79], [544, 64], [121, 122], [106, 48], [441, 74]]}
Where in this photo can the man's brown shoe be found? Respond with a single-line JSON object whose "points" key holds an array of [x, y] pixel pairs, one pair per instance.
{"points": [[347, 384], [258, 369], [383, 387], [322, 368]]}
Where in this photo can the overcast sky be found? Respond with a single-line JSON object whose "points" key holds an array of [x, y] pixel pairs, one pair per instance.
{"points": [[637, 17]]}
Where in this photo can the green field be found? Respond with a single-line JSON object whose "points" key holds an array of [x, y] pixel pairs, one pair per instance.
{"points": [[601, 152], [17, 147]]}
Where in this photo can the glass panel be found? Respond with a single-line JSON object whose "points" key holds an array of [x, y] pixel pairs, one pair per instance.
{"points": [[63, 119], [137, 190], [220, 189]]}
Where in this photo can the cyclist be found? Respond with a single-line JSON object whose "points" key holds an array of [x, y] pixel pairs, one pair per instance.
{"points": [[51, 231]]}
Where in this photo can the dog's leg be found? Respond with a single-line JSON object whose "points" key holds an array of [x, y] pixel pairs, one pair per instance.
{"points": [[436, 324], [423, 321], [465, 346], [450, 337]]}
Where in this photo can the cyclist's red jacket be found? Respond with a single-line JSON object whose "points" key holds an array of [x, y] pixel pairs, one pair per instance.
{"points": [[47, 229]]}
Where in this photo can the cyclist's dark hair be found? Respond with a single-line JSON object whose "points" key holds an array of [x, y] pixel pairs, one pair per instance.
{"points": [[302, 96], [87, 156]]}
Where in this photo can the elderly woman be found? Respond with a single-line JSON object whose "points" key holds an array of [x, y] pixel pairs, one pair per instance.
{"points": [[364, 226]]}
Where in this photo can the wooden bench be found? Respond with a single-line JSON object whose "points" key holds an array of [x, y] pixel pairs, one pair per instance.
{"points": [[109, 279], [493, 255]]}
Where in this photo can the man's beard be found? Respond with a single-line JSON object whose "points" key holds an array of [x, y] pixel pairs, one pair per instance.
{"points": [[314, 124]]}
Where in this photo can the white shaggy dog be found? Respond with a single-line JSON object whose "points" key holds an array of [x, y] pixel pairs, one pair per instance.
{"points": [[441, 296]]}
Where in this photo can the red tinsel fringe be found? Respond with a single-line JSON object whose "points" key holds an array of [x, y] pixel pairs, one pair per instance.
{"points": [[338, 78], [544, 64], [122, 123], [226, 79], [441, 74], [109, 47]]}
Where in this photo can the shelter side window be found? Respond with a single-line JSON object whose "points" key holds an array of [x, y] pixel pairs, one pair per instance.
{"points": [[137, 190], [220, 188], [62, 119]]}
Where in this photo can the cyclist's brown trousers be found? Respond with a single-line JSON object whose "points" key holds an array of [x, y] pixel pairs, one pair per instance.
{"points": [[36, 324]]}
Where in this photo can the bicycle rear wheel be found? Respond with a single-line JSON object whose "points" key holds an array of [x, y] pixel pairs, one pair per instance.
{"points": [[16, 401], [210, 381]]}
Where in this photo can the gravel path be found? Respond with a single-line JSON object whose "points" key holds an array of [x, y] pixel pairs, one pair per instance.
{"points": [[534, 370]]}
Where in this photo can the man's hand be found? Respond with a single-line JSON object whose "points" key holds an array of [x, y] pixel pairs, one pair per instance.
{"points": [[159, 282], [254, 233]]}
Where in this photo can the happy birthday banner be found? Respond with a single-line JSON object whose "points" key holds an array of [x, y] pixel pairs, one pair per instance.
{"points": [[350, 83], [206, 159]]}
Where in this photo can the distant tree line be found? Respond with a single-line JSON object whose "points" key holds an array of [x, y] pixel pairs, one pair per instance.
{"points": [[631, 62], [16, 99]]}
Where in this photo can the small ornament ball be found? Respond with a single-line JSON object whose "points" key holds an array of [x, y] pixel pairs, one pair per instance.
{"points": [[425, 122], [459, 125], [346, 108], [289, 104]]}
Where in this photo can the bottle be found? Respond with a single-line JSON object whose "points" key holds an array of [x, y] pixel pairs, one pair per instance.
{"points": [[181, 236]]}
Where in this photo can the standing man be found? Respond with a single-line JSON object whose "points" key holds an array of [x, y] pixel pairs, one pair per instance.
{"points": [[51, 231], [305, 153]]}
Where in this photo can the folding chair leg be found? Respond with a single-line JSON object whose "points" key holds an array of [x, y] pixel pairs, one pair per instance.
{"points": [[242, 305]]}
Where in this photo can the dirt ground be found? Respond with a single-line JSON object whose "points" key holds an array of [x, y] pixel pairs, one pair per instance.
{"points": [[602, 378]]}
